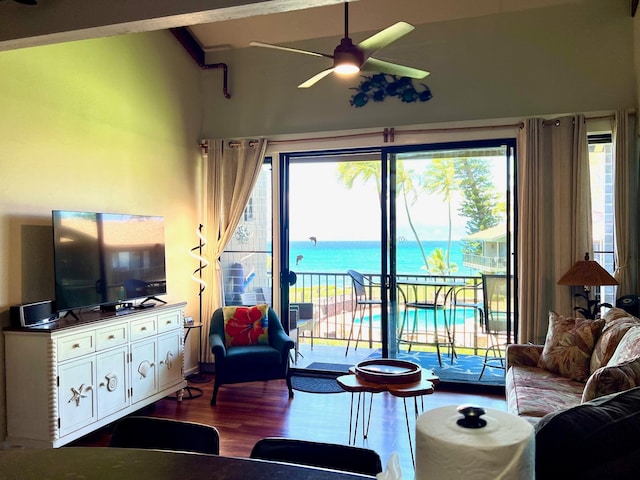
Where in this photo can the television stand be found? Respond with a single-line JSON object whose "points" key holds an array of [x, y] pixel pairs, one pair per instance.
{"points": [[67, 381]]}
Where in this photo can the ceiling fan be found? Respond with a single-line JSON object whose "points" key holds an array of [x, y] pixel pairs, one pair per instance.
{"points": [[349, 58]]}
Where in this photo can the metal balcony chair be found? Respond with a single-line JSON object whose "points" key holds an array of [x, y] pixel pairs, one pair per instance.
{"points": [[317, 454], [165, 434], [301, 319], [360, 287], [497, 320], [469, 298]]}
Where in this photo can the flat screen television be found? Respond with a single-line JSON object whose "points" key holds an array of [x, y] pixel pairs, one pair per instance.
{"points": [[107, 258]]}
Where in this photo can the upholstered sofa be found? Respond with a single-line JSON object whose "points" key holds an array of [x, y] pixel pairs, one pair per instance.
{"points": [[597, 439], [581, 360]]}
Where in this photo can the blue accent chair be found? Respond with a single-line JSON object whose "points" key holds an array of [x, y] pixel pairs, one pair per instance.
{"points": [[250, 363]]}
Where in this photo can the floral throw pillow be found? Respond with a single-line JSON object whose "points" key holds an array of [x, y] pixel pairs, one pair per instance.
{"points": [[617, 323], [568, 346], [628, 348], [246, 325]]}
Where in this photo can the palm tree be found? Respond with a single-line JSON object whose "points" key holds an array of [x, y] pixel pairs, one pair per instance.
{"points": [[438, 265], [440, 178], [349, 172], [405, 185]]}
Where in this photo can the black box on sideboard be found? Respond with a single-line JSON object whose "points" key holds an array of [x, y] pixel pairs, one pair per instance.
{"points": [[30, 314]]}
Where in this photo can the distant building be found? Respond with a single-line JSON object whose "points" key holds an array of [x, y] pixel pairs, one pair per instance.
{"points": [[493, 258]]}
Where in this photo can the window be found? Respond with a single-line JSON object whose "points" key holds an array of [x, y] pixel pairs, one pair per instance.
{"points": [[246, 261], [601, 170]]}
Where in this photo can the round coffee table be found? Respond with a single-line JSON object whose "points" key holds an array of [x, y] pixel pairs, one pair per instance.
{"points": [[356, 384]]}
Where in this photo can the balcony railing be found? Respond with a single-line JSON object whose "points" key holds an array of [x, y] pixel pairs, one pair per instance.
{"points": [[485, 264], [332, 297]]}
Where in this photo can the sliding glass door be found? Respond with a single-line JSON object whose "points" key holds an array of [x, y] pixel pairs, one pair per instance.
{"points": [[402, 218], [331, 225], [450, 221]]}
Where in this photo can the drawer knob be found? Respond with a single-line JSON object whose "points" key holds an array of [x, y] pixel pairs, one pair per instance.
{"points": [[143, 328], [76, 345], [112, 337]]}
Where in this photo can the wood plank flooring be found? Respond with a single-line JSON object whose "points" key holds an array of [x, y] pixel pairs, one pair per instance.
{"points": [[247, 412]]}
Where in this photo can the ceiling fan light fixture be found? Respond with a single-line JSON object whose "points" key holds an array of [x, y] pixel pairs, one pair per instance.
{"points": [[347, 58], [346, 69]]}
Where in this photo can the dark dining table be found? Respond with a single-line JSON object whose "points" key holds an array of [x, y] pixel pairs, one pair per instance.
{"points": [[86, 463]]}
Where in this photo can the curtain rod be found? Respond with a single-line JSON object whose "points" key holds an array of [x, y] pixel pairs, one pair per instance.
{"points": [[389, 134], [236, 143]]}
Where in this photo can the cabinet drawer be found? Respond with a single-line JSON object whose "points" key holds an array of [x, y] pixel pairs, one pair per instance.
{"points": [[169, 321], [144, 327], [76, 345], [111, 336]]}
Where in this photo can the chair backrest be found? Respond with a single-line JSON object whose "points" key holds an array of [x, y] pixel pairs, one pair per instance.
{"points": [[165, 434], [305, 310], [496, 313], [359, 283], [317, 454], [217, 323]]}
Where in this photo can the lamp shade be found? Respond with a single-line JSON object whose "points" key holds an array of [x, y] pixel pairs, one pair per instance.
{"points": [[587, 273]]}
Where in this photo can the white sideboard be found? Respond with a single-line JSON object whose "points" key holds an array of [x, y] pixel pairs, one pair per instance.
{"points": [[71, 378]]}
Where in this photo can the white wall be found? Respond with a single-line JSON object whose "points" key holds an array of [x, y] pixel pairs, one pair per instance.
{"points": [[563, 59]]}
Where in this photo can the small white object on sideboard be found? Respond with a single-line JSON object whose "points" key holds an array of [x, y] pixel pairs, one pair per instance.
{"points": [[67, 380]]}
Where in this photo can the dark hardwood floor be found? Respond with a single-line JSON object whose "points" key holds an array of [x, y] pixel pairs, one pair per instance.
{"points": [[247, 412]]}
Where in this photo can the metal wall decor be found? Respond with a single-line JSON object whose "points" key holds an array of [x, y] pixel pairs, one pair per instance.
{"points": [[380, 86]]}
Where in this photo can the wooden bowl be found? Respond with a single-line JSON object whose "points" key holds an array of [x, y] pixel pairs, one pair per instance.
{"points": [[388, 370]]}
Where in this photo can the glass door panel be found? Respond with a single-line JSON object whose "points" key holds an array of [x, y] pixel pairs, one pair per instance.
{"points": [[451, 211], [333, 226]]}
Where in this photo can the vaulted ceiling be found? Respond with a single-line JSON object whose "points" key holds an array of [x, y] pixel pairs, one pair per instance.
{"points": [[221, 24]]}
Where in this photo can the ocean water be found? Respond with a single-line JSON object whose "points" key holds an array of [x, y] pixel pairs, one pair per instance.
{"points": [[364, 256]]}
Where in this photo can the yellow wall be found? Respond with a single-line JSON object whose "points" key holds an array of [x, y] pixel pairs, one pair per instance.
{"points": [[99, 125]]}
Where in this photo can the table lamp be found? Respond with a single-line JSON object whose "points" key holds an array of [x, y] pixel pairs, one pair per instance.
{"points": [[588, 273]]}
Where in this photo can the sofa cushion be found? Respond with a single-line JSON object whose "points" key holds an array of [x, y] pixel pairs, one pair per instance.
{"points": [[600, 436], [533, 392], [617, 322], [246, 325], [569, 345]]}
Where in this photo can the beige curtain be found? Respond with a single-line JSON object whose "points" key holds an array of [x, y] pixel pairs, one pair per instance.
{"points": [[625, 190], [231, 169], [554, 218]]}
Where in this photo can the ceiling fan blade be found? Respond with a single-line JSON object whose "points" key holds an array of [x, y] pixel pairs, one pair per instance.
{"points": [[315, 79], [385, 37], [289, 49], [375, 65]]}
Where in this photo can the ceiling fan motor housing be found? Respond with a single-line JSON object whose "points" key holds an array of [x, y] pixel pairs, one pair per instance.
{"points": [[347, 52]]}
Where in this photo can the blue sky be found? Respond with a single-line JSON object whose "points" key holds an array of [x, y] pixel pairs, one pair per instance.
{"points": [[321, 206]]}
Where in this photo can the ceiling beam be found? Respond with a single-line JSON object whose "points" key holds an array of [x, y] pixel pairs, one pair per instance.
{"points": [[67, 20]]}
